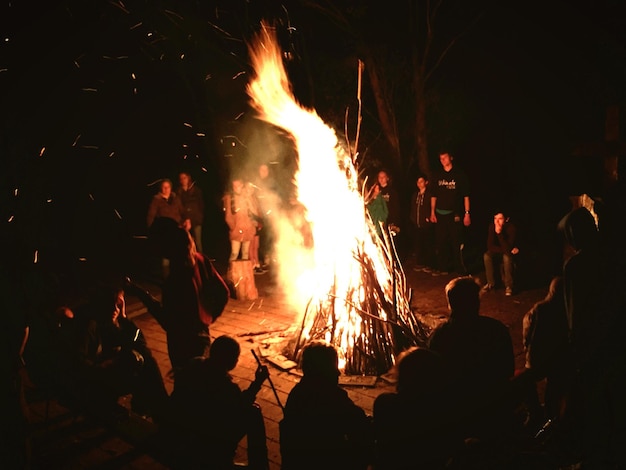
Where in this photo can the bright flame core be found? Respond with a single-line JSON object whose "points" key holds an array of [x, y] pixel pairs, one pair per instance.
{"points": [[327, 248]]}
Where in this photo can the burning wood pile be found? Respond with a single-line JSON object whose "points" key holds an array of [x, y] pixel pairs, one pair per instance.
{"points": [[335, 270]]}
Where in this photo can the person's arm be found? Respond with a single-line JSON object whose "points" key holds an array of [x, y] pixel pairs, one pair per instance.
{"points": [[228, 215], [152, 210], [433, 207], [466, 218], [511, 232], [154, 306], [249, 394], [492, 247]]}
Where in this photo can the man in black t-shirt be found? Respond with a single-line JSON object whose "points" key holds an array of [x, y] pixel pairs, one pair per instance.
{"points": [[450, 211]]}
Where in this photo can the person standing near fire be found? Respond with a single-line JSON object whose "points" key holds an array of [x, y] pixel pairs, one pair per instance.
{"points": [[450, 212], [423, 233], [391, 197], [192, 199], [240, 212]]}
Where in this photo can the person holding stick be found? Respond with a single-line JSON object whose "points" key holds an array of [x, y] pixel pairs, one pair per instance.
{"points": [[210, 414]]}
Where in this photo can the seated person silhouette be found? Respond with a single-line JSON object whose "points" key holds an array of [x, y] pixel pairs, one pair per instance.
{"points": [[210, 414], [114, 358], [479, 352], [322, 427], [415, 426]]}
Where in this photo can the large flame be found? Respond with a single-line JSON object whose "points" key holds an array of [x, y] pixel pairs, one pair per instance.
{"points": [[326, 242]]}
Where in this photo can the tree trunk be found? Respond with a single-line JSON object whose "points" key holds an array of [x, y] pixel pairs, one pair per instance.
{"points": [[421, 134], [385, 111]]}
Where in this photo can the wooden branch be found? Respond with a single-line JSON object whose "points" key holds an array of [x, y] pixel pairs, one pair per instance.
{"points": [[449, 46]]}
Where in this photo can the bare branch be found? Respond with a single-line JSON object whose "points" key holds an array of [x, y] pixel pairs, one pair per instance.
{"points": [[450, 44]]}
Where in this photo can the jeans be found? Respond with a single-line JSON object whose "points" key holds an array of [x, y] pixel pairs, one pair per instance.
{"points": [[493, 259], [196, 233]]}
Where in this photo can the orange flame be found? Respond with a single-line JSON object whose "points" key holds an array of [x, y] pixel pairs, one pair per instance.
{"points": [[326, 271]]}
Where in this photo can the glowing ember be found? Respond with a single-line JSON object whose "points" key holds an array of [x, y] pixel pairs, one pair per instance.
{"points": [[335, 270]]}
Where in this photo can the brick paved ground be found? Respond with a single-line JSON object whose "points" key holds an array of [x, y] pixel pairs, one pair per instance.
{"points": [[64, 440]]}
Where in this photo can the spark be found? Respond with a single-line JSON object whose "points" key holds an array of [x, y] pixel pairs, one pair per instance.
{"points": [[185, 146], [182, 56], [132, 75], [76, 140], [120, 5], [43, 149], [111, 154], [94, 147], [11, 219], [208, 77], [118, 214], [203, 169], [200, 134], [89, 89], [238, 74], [36, 258], [49, 200], [170, 12], [187, 124], [82, 259], [4, 70], [136, 26], [15, 192]]}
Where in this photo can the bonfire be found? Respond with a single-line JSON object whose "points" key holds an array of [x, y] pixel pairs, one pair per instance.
{"points": [[343, 279]]}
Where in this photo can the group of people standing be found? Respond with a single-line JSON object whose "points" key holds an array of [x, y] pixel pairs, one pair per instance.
{"points": [[439, 214]]}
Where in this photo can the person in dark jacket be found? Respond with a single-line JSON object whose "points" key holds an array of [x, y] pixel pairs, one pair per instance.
{"points": [[211, 413], [322, 427], [501, 248], [192, 199], [479, 352], [423, 230]]}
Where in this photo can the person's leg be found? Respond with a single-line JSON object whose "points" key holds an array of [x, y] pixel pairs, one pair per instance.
{"points": [[440, 243], [489, 270], [507, 262], [456, 245], [418, 248], [196, 232], [235, 247], [245, 250]]}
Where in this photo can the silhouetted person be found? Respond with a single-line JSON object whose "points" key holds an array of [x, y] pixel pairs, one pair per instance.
{"points": [[586, 302], [114, 357], [479, 351], [416, 427], [211, 414], [192, 199], [192, 297], [545, 340], [322, 426]]}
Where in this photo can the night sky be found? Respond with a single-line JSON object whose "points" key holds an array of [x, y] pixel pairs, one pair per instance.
{"points": [[101, 99]]}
